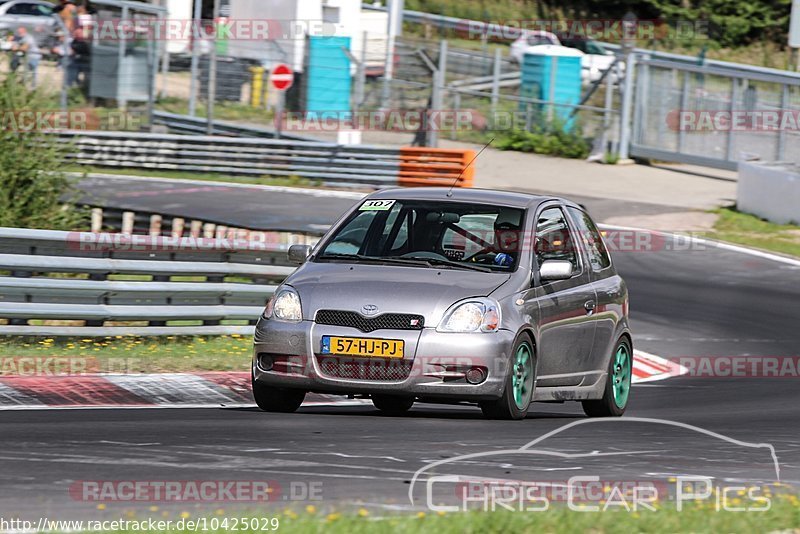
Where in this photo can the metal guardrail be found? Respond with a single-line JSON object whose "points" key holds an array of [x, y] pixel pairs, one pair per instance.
{"points": [[333, 164], [55, 277], [185, 124]]}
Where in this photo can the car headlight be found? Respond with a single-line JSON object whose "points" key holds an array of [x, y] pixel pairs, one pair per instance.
{"points": [[474, 315], [284, 306]]}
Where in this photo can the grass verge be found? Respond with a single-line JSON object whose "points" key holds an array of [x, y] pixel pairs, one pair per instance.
{"points": [[749, 230], [124, 354], [783, 516]]}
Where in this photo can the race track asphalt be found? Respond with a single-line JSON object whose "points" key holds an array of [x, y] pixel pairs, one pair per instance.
{"points": [[263, 207], [684, 303]]}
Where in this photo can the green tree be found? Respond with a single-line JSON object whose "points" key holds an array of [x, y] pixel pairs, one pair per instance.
{"points": [[33, 189]]}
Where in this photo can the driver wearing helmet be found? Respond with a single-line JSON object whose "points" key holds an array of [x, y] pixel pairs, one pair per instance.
{"points": [[504, 250]]}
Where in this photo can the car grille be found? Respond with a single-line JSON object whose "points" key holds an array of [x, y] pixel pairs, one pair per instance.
{"points": [[386, 321], [365, 369]]}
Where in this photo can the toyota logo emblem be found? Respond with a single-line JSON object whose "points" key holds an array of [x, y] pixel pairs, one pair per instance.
{"points": [[369, 309]]}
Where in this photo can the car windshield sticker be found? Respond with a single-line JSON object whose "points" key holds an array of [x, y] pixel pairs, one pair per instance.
{"points": [[376, 205]]}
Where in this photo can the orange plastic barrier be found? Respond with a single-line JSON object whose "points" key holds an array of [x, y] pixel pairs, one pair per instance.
{"points": [[436, 167]]}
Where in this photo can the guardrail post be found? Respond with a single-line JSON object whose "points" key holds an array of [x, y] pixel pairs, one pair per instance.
{"points": [[682, 107], [127, 222], [212, 74], [198, 9], [439, 80], [498, 60], [196, 229], [155, 225], [456, 109], [731, 109], [627, 107], [177, 227], [97, 220], [209, 230], [781, 148]]}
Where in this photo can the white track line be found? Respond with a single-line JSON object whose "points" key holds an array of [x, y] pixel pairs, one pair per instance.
{"points": [[713, 243], [273, 188]]}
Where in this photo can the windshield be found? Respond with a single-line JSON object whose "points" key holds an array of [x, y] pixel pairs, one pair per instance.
{"points": [[593, 47], [426, 233]]}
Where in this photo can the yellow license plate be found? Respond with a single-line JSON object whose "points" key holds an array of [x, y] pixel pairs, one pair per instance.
{"points": [[360, 346]]}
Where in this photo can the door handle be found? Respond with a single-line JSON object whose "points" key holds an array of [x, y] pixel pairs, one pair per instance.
{"points": [[589, 306]]}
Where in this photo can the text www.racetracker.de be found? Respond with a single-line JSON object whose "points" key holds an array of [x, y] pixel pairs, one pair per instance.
{"points": [[203, 524]]}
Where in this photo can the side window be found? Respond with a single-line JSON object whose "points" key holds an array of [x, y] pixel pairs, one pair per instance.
{"points": [[554, 239], [41, 10], [19, 9], [588, 233]]}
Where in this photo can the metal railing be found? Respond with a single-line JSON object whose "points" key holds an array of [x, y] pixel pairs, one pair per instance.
{"points": [[672, 97], [333, 164], [81, 283], [185, 124]]}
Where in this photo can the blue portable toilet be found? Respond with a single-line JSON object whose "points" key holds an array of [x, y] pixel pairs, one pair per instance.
{"points": [[552, 73], [328, 77]]}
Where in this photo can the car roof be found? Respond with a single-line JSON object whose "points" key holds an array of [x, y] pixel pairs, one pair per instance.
{"points": [[462, 194]]}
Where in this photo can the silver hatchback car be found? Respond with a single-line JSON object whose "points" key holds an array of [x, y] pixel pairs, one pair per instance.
{"points": [[489, 297]]}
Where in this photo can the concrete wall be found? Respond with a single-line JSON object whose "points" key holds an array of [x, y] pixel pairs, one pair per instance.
{"points": [[770, 190]]}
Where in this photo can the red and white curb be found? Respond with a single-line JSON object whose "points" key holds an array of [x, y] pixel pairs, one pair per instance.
{"points": [[167, 390], [650, 368], [197, 390]]}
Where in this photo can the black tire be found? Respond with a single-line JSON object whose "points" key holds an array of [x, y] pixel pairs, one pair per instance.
{"points": [[272, 399], [392, 404], [506, 407], [608, 406]]}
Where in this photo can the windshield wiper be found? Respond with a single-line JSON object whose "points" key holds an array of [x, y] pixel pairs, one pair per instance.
{"points": [[376, 259], [450, 263]]}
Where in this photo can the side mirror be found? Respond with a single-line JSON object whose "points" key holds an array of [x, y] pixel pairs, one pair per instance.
{"points": [[299, 253], [552, 270]]}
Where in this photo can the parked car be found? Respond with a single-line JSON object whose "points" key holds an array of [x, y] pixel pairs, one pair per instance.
{"points": [[481, 296], [37, 17], [595, 59], [531, 39]]}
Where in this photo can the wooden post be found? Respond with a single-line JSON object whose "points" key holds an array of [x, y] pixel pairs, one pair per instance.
{"points": [[97, 220], [127, 222], [155, 225], [177, 227]]}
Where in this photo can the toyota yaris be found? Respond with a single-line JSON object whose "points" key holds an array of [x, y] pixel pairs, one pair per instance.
{"points": [[478, 296]]}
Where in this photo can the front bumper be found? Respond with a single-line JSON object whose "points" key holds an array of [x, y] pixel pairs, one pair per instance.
{"points": [[433, 366]]}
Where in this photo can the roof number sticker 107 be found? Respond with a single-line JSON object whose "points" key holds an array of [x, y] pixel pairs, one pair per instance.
{"points": [[376, 205]]}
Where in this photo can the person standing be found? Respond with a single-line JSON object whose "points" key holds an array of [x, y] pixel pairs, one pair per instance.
{"points": [[68, 12], [25, 49]]}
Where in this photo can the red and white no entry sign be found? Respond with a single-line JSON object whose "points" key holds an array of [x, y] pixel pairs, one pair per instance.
{"points": [[281, 77]]}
